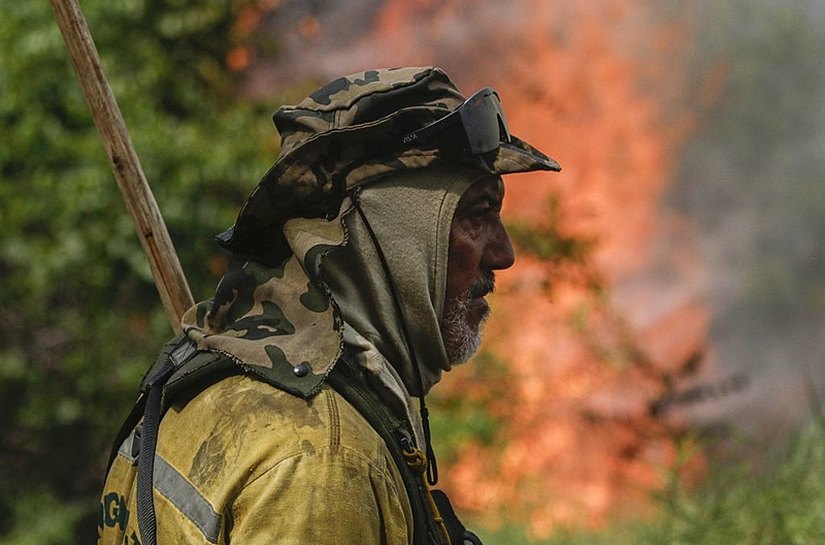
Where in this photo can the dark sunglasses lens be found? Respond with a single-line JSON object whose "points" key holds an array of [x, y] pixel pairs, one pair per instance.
{"points": [[483, 122], [480, 121]]}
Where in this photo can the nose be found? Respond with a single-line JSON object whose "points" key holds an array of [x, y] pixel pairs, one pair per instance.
{"points": [[500, 253]]}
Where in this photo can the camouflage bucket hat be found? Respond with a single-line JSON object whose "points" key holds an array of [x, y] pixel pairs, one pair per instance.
{"points": [[354, 130]]}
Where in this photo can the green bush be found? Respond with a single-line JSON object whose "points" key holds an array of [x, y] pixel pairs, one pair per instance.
{"points": [[79, 315], [738, 505]]}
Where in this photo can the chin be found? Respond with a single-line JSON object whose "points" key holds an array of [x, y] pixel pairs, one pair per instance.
{"points": [[466, 352], [462, 328], [464, 342]]}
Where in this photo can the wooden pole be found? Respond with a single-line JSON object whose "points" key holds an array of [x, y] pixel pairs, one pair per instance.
{"points": [[163, 260]]}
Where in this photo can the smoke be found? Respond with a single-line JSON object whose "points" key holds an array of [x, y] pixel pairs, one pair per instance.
{"points": [[751, 180], [747, 208], [472, 41]]}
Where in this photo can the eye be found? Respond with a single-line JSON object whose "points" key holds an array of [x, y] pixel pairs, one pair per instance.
{"points": [[480, 212]]}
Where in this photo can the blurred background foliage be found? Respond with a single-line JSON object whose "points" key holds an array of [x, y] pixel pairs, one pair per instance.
{"points": [[80, 318], [734, 505]]}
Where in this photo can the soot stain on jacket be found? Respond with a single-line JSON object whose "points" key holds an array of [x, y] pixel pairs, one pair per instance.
{"points": [[245, 414]]}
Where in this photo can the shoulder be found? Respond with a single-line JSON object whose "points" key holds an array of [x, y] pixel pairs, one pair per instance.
{"points": [[236, 430], [245, 461], [252, 451]]}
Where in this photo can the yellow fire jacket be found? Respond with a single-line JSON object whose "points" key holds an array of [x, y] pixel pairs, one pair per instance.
{"points": [[243, 462]]}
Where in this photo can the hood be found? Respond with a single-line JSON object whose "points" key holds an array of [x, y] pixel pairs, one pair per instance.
{"points": [[390, 279], [285, 324]]}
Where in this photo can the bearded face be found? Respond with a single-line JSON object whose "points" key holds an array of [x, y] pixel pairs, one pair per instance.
{"points": [[479, 245]]}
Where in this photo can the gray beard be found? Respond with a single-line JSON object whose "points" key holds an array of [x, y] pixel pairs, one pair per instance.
{"points": [[461, 341]]}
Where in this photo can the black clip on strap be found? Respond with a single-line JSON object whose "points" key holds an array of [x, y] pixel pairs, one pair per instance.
{"points": [[459, 535], [147, 522]]}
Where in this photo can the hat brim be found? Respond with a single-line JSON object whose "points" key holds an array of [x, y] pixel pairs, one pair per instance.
{"points": [[519, 156]]}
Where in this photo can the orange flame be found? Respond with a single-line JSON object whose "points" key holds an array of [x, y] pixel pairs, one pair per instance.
{"points": [[583, 81]]}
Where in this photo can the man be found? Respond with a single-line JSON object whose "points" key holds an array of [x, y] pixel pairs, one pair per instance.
{"points": [[361, 262]]}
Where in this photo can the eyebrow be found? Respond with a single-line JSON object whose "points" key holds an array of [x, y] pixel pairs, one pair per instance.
{"points": [[492, 193], [489, 197]]}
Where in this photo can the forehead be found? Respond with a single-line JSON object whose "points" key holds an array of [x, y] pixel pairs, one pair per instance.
{"points": [[489, 188]]}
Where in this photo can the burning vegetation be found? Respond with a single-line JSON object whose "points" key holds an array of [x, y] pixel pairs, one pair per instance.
{"points": [[570, 415]]}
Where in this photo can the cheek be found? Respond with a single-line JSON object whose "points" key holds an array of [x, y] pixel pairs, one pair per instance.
{"points": [[462, 265]]}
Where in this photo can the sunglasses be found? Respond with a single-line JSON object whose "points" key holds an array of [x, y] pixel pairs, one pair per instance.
{"points": [[476, 127]]}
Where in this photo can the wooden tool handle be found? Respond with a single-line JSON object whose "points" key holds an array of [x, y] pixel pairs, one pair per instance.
{"points": [[163, 260]]}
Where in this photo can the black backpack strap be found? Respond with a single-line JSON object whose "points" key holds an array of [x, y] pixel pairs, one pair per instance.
{"points": [[172, 358], [459, 535], [146, 461], [139, 407], [179, 372]]}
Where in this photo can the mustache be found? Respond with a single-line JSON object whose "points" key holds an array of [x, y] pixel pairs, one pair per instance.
{"points": [[485, 284]]}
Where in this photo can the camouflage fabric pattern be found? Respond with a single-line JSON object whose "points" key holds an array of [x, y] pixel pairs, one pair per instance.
{"points": [[349, 133], [274, 321]]}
